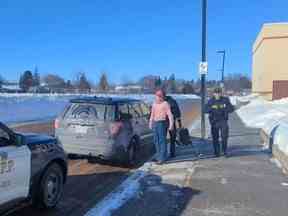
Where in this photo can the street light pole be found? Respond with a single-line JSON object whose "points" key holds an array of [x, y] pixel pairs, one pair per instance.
{"points": [[223, 52], [203, 76]]}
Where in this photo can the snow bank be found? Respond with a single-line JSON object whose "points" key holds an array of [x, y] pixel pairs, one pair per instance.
{"points": [[240, 100], [15, 108], [271, 117], [263, 114], [281, 136]]}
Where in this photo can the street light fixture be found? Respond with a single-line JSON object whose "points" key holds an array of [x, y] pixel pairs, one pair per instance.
{"points": [[223, 52]]}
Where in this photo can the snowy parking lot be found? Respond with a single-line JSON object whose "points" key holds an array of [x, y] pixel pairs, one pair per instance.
{"points": [[16, 108]]}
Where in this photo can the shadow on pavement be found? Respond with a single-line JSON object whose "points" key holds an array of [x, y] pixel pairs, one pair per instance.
{"points": [[203, 149], [243, 134], [158, 198], [81, 193]]}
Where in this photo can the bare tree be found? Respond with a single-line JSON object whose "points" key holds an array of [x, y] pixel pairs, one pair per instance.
{"points": [[55, 83]]}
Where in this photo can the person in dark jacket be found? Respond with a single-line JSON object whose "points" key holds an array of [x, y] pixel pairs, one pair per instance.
{"points": [[176, 112], [219, 108]]}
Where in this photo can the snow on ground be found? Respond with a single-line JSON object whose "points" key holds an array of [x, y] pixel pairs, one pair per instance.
{"points": [[281, 136], [260, 113], [15, 108], [236, 100], [128, 189], [271, 116], [117, 198]]}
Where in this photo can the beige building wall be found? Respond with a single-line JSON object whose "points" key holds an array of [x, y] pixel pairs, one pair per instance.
{"points": [[270, 58]]}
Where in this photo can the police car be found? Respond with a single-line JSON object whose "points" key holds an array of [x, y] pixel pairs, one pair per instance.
{"points": [[33, 169]]}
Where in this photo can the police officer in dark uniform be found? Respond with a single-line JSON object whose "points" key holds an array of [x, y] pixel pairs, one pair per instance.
{"points": [[177, 118], [218, 108]]}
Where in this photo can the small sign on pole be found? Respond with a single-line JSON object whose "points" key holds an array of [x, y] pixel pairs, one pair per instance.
{"points": [[203, 68]]}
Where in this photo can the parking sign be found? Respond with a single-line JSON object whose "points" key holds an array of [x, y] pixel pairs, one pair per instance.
{"points": [[203, 68]]}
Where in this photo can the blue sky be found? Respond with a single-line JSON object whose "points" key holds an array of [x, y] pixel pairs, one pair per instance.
{"points": [[128, 38]]}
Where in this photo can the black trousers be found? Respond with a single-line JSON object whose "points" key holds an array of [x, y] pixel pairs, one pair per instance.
{"points": [[173, 136], [217, 129]]}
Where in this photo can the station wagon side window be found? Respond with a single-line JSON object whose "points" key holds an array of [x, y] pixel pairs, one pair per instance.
{"points": [[145, 109], [135, 110], [123, 109], [123, 112], [110, 113]]}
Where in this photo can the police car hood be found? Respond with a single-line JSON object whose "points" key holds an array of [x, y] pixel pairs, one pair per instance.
{"points": [[32, 138]]}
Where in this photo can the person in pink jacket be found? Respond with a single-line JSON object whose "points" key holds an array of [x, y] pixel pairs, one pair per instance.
{"points": [[158, 122]]}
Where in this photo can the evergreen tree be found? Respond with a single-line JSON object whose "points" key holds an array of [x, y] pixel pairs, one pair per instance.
{"points": [[69, 84], [26, 81], [84, 84], [188, 88], [171, 84], [36, 79], [103, 84], [1, 81], [158, 82]]}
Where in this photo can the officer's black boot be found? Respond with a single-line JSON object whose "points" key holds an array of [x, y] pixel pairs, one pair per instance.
{"points": [[224, 147], [216, 148]]}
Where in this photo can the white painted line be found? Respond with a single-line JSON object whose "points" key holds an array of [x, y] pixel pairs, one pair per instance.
{"points": [[119, 197], [127, 190]]}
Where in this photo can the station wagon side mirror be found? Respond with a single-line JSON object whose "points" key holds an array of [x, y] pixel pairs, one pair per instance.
{"points": [[18, 140]]}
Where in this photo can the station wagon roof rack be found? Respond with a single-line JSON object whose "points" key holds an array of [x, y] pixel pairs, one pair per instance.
{"points": [[103, 100]]}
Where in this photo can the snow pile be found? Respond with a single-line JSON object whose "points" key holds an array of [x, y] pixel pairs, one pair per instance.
{"points": [[15, 108], [239, 100], [263, 114], [271, 117], [281, 136]]}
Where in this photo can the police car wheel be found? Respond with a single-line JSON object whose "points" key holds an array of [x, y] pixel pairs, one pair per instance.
{"points": [[51, 187]]}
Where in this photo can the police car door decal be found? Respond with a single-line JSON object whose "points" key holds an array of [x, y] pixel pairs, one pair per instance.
{"points": [[15, 171]]}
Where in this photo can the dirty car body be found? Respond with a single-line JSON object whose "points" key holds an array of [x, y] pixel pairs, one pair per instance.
{"points": [[87, 127], [29, 164]]}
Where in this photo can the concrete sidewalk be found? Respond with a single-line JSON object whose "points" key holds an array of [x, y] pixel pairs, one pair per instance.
{"points": [[245, 184]]}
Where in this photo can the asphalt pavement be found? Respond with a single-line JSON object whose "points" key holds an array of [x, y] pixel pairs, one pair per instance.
{"points": [[89, 183], [196, 183]]}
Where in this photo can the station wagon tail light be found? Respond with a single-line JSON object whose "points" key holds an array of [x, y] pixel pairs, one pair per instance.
{"points": [[115, 128], [56, 123]]}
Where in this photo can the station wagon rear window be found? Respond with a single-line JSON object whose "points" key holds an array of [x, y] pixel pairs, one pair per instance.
{"points": [[85, 111]]}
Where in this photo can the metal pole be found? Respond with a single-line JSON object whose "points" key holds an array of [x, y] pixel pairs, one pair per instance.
{"points": [[223, 52], [203, 76], [223, 65]]}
